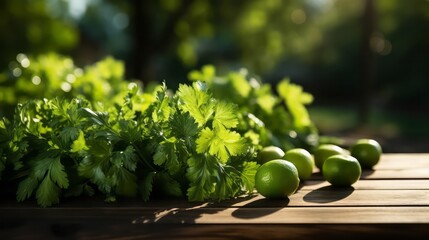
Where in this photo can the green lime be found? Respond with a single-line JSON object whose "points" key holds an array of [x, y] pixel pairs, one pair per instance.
{"points": [[303, 161], [270, 153], [367, 152], [341, 170], [277, 178], [324, 151]]}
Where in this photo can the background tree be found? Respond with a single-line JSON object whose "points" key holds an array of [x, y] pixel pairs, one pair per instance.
{"points": [[317, 43]]}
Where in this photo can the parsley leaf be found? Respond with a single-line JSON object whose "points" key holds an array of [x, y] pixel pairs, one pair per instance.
{"points": [[47, 193], [49, 170], [145, 186], [58, 174], [295, 98], [183, 126], [248, 175], [225, 115], [79, 144], [196, 101], [228, 182], [200, 173], [26, 188], [166, 154], [12, 145], [221, 143], [126, 183], [207, 73]]}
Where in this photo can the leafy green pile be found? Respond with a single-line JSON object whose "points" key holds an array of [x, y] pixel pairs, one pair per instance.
{"points": [[52, 75], [128, 141], [270, 118]]}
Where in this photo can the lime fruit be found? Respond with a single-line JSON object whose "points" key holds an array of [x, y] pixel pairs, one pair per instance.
{"points": [[270, 153], [324, 151], [367, 152], [277, 178], [303, 161], [341, 170]]}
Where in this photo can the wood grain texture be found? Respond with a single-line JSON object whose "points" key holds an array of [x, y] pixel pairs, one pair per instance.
{"points": [[380, 184], [403, 161], [102, 231], [233, 215], [392, 201], [394, 166], [328, 196], [387, 174], [293, 215]]}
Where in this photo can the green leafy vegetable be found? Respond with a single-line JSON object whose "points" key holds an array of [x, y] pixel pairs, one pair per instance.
{"points": [[295, 99], [108, 136], [221, 143], [267, 117]]}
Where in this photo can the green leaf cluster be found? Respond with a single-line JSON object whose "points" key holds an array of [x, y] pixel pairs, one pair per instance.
{"points": [[268, 116], [200, 141], [52, 75]]}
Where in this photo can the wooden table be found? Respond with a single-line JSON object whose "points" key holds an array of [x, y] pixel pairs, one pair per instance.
{"points": [[390, 201]]}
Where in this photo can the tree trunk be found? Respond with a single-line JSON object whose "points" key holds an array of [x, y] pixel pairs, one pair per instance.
{"points": [[147, 44], [366, 63], [139, 66]]}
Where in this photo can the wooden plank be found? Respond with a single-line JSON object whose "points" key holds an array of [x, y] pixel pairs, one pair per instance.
{"points": [[397, 174], [400, 166], [101, 231], [313, 193], [291, 215], [405, 173], [392, 200], [403, 161], [395, 166], [396, 161], [422, 173], [328, 196], [372, 184], [322, 197], [260, 215]]}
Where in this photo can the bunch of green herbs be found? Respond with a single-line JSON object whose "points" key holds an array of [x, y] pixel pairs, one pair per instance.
{"points": [[108, 136]]}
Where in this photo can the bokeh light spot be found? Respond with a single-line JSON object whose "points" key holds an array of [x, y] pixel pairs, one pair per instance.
{"points": [[17, 72], [380, 45], [78, 72], [66, 87], [36, 80], [70, 78], [120, 21], [298, 16]]}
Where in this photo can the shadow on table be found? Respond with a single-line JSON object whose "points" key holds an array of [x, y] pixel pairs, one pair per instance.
{"points": [[259, 208], [328, 194], [366, 173], [246, 207], [193, 211]]}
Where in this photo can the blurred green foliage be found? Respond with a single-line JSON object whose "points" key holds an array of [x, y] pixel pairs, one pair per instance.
{"points": [[53, 75], [274, 116], [28, 26], [315, 42]]}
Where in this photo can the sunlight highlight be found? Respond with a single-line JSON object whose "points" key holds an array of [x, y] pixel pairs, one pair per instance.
{"points": [[298, 16]]}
